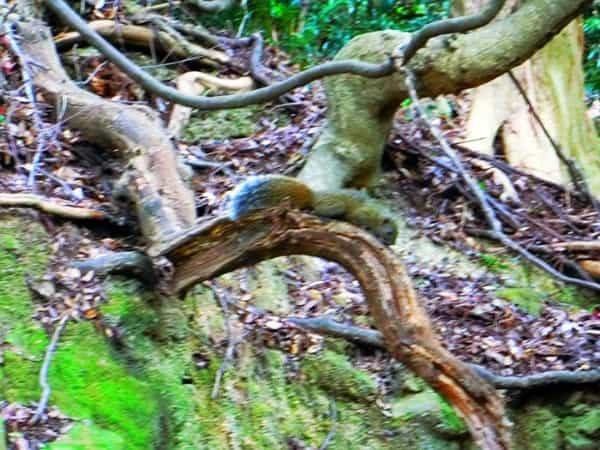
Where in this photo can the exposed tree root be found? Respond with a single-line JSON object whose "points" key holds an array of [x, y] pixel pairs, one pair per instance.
{"points": [[591, 266], [223, 245], [211, 6], [374, 338], [51, 207]]}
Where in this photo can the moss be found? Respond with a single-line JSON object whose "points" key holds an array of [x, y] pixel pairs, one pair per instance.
{"points": [[334, 372], [529, 300], [528, 287], [537, 428], [84, 436], [269, 290], [88, 381], [25, 340], [582, 432], [231, 123]]}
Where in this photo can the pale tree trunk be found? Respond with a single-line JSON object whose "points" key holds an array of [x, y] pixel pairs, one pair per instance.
{"points": [[553, 81]]}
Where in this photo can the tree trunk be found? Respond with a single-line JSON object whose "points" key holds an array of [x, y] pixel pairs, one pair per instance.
{"points": [[553, 81]]}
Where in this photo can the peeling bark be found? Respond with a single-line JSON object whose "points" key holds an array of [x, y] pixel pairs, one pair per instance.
{"points": [[222, 245]]}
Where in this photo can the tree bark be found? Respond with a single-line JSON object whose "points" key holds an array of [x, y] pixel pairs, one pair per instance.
{"points": [[152, 177], [223, 245], [553, 81]]}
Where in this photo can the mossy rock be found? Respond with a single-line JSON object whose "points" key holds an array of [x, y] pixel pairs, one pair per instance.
{"points": [[537, 428], [228, 123], [582, 432]]}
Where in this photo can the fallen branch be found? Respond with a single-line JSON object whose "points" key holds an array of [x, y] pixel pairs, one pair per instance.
{"points": [[45, 205], [46, 390], [374, 338], [143, 36], [576, 246], [222, 245]]}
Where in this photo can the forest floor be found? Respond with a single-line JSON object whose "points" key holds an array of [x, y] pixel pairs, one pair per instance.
{"points": [[500, 318]]}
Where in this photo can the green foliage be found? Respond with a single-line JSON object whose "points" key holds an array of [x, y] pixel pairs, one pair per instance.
{"points": [[319, 29], [591, 28], [493, 263]]}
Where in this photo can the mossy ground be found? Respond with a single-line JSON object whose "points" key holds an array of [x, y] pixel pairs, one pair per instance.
{"points": [[114, 408], [153, 390]]}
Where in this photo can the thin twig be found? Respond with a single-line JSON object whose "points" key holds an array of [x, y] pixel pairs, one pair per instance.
{"points": [[50, 207], [489, 214], [232, 341], [358, 335], [46, 390], [333, 430], [27, 75], [446, 26]]}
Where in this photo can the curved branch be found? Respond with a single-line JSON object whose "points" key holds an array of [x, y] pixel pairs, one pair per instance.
{"points": [[472, 59], [67, 15], [447, 26], [222, 245]]}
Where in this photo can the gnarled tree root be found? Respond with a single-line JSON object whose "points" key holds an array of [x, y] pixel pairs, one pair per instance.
{"points": [[195, 83], [223, 245]]}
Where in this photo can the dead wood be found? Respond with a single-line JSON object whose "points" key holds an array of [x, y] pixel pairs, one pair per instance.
{"points": [[134, 134], [49, 206], [591, 266], [142, 36], [195, 83], [223, 245]]}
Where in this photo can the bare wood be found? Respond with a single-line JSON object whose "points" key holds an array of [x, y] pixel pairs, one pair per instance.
{"points": [[142, 36], [49, 206], [591, 266], [222, 245], [211, 6], [134, 134], [195, 83], [576, 246]]}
